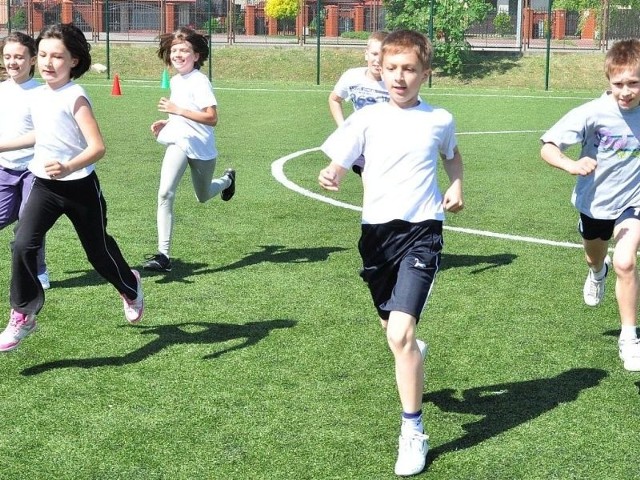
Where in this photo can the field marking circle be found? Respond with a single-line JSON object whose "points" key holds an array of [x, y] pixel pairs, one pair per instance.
{"points": [[277, 171]]}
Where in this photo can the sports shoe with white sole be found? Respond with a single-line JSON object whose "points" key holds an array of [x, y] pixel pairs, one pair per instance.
{"points": [[158, 263], [44, 280], [20, 326], [230, 191], [412, 453], [134, 309], [629, 351], [593, 290]]}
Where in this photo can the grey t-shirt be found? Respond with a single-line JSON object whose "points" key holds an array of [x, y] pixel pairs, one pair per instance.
{"points": [[609, 135]]}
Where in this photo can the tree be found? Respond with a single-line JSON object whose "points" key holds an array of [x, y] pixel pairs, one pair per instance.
{"points": [[282, 8], [450, 20]]}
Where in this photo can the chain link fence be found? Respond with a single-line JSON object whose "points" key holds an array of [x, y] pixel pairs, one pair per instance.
{"points": [[509, 26]]}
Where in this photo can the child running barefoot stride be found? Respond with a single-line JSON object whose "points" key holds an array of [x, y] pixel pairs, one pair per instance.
{"points": [[607, 190], [19, 56], [67, 143], [188, 134], [402, 214]]}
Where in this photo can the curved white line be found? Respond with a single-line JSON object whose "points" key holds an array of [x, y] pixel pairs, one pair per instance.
{"points": [[277, 170]]}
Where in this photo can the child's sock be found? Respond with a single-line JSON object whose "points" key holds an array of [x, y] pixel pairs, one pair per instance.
{"points": [[412, 422], [628, 332], [601, 274]]}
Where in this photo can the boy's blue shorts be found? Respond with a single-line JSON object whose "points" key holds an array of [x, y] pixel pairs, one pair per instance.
{"points": [[400, 261]]}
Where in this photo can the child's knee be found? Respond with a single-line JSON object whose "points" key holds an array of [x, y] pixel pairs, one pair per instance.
{"points": [[624, 264]]}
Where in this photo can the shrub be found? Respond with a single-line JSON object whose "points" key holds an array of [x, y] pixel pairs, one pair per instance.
{"points": [[502, 24]]}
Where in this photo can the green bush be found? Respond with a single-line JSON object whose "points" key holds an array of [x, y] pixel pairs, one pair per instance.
{"points": [[19, 20], [356, 35], [502, 24]]}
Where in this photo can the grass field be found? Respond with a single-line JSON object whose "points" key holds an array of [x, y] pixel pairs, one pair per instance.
{"points": [[260, 356]]}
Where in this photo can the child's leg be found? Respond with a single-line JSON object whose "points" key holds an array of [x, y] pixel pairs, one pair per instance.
{"points": [[86, 208], [201, 177], [10, 196], [173, 166], [627, 236], [40, 213], [26, 184], [595, 252], [409, 368]]}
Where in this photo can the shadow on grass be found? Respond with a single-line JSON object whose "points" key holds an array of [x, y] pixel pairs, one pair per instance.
{"points": [[481, 64], [167, 335], [507, 405], [491, 261], [181, 271]]}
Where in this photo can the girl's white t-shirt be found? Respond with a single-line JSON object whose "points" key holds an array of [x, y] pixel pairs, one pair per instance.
{"points": [[15, 120], [58, 136], [192, 91]]}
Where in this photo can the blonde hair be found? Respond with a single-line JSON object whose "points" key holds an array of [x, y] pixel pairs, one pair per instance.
{"points": [[624, 54], [403, 40]]}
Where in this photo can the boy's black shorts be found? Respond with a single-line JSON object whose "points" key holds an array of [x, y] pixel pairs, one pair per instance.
{"points": [[591, 228], [400, 261]]}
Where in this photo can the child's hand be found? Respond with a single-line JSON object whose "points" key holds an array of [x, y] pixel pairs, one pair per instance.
{"points": [[329, 179], [452, 199], [583, 167], [167, 106], [56, 170], [157, 126]]}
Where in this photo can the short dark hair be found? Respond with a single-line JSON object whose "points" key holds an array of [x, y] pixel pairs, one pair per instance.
{"points": [[199, 43], [74, 41]]}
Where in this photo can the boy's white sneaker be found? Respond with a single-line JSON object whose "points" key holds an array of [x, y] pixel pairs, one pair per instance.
{"points": [[593, 290], [630, 354], [412, 453], [20, 326]]}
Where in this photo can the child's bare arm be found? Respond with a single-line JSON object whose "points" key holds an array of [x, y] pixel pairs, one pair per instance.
{"points": [[452, 200], [23, 141], [551, 154], [335, 107], [331, 176], [206, 116]]}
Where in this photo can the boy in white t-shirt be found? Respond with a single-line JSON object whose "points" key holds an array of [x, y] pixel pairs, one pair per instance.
{"points": [[362, 86], [402, 213]]}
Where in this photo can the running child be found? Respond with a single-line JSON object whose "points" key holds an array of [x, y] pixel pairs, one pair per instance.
{"points": [[607, 190], [188, 134], [67, 143], [402, 213], [19, 57], [361, 85]]}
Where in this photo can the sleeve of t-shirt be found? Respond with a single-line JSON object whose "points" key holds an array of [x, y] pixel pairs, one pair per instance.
{"points": [[346, 143], [569, 130], [204, 96], [449, 141], [341, 88]]}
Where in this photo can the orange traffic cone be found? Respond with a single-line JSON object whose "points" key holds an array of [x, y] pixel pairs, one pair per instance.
{"points": [[115, 90]]}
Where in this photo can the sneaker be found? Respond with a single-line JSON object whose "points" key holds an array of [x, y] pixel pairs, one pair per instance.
{"points": [[423, 347], [44, 280], [412, 454], [629, 351], [20, 326], [593, 290], [133, 309], [158, 262], [228, 192]]}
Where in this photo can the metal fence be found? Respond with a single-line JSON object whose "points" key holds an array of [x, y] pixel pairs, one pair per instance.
{"points": [[513, 28]]}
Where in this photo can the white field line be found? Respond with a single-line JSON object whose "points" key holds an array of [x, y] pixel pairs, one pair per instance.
{"points": [[277, 170]]}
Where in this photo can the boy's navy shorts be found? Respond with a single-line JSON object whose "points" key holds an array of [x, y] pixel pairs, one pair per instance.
{"points": [[400, 261], [591, 228]]}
